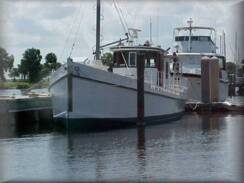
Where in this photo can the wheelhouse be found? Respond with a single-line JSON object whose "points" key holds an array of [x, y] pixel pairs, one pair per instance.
{"points": [[127, 57]]}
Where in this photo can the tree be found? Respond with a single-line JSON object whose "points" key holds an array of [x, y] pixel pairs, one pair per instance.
{"points": [[50, 64], [51, 61], [14, 72], [231, 67], [107, 59], [6, 62], [31, 64]]}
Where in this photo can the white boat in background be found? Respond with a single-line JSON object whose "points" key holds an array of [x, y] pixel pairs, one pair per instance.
{"points": [[192, 43], [89, 94]]}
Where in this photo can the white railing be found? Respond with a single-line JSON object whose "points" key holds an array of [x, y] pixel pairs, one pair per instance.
{"points": [[168, 80]]}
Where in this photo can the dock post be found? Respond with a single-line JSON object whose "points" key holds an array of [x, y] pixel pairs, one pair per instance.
{"points": [[210, 80], [140, 64]]}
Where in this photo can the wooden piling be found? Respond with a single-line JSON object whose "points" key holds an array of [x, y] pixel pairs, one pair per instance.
{"points": [[70, 93], [210, 79], [140, 88]]}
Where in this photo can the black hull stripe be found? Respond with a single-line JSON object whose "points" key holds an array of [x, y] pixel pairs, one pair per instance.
{"points": [[109, 122]]}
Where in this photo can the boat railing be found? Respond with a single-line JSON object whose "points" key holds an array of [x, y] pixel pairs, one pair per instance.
{"points": [[170, 82]]}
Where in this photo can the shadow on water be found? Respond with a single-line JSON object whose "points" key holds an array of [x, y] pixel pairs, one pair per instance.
{"points": [[141, 150], [210, 121], [25, 123]]}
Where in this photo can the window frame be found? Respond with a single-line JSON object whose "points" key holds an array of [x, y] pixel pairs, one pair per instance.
{"points": [[129, 59]]}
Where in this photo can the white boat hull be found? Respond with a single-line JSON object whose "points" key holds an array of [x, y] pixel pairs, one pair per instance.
{"points": [[194, 92], [98, 94]]}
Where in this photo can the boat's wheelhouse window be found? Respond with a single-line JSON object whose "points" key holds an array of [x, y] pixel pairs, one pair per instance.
{"points": [[132, 59], [181, 38], [152, 62], [193, 38]]}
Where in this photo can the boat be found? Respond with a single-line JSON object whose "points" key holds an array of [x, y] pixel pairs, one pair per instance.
{"points": [[137, 88], [192, 43]]}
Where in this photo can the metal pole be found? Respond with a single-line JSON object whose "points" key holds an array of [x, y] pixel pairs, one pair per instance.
{"points": [[98, 30], [220, 45], [150, 30], [224, 44]]}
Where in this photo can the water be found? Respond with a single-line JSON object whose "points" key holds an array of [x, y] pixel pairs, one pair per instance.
{"points": [[196, 148]]}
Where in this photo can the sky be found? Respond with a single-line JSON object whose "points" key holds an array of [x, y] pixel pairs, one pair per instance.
{"points": [[57, 25]]}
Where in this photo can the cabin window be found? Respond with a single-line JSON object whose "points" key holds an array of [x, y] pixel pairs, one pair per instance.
{"points": [[186, 38], [194, 38], [204, 38], [132, 59], [152, 62]]}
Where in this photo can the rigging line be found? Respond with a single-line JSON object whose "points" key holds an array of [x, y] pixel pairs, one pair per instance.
{"points": [[121, 12], [77, 31], [127, 68], [70, 30], [120, 18]]}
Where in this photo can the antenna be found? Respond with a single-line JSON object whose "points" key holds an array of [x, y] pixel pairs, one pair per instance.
{"points": [[224, 44], [150, 30], [220, 44], [190, 21], [133, 35]]}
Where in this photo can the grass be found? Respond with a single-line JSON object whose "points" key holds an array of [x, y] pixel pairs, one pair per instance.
{"points": [[19, 84]]}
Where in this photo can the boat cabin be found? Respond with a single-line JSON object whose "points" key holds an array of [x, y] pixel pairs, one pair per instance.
{"points": [[198, 44], [157, 70], [127, 57]]}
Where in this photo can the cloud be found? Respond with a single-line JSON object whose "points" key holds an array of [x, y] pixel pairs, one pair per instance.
{"points": [[53, 25]]}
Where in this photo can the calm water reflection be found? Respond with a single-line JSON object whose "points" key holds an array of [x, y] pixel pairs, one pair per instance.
{"points": [[197, 147]]}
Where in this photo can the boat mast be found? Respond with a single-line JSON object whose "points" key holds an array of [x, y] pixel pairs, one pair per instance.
{"points": [[190, 33], [98, 30], [150, 30], [224, 43]]}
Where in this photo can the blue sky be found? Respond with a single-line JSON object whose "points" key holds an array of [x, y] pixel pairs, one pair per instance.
{"points": [[53, 26]]}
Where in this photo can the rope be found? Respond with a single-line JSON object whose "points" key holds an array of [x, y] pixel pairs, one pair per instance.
{"points": [[70, 30], [124, 19], [125, 63], [77, 31], [120, 17]]}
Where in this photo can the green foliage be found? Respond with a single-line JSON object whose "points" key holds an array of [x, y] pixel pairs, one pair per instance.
{"points": [[14, 72], [107, 59], [50, 64], [51, 61], [14, 85], [230, 67], [6, 62], [44, 83], [31, 64], [23, 86]]}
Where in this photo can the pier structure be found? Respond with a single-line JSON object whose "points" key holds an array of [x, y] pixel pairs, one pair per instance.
{"points": [[210, 90], [28, 108]]}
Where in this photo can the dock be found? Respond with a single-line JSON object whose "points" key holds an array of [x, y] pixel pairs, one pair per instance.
{"points": [[23, 104], [214, 106], [27, 109]]}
